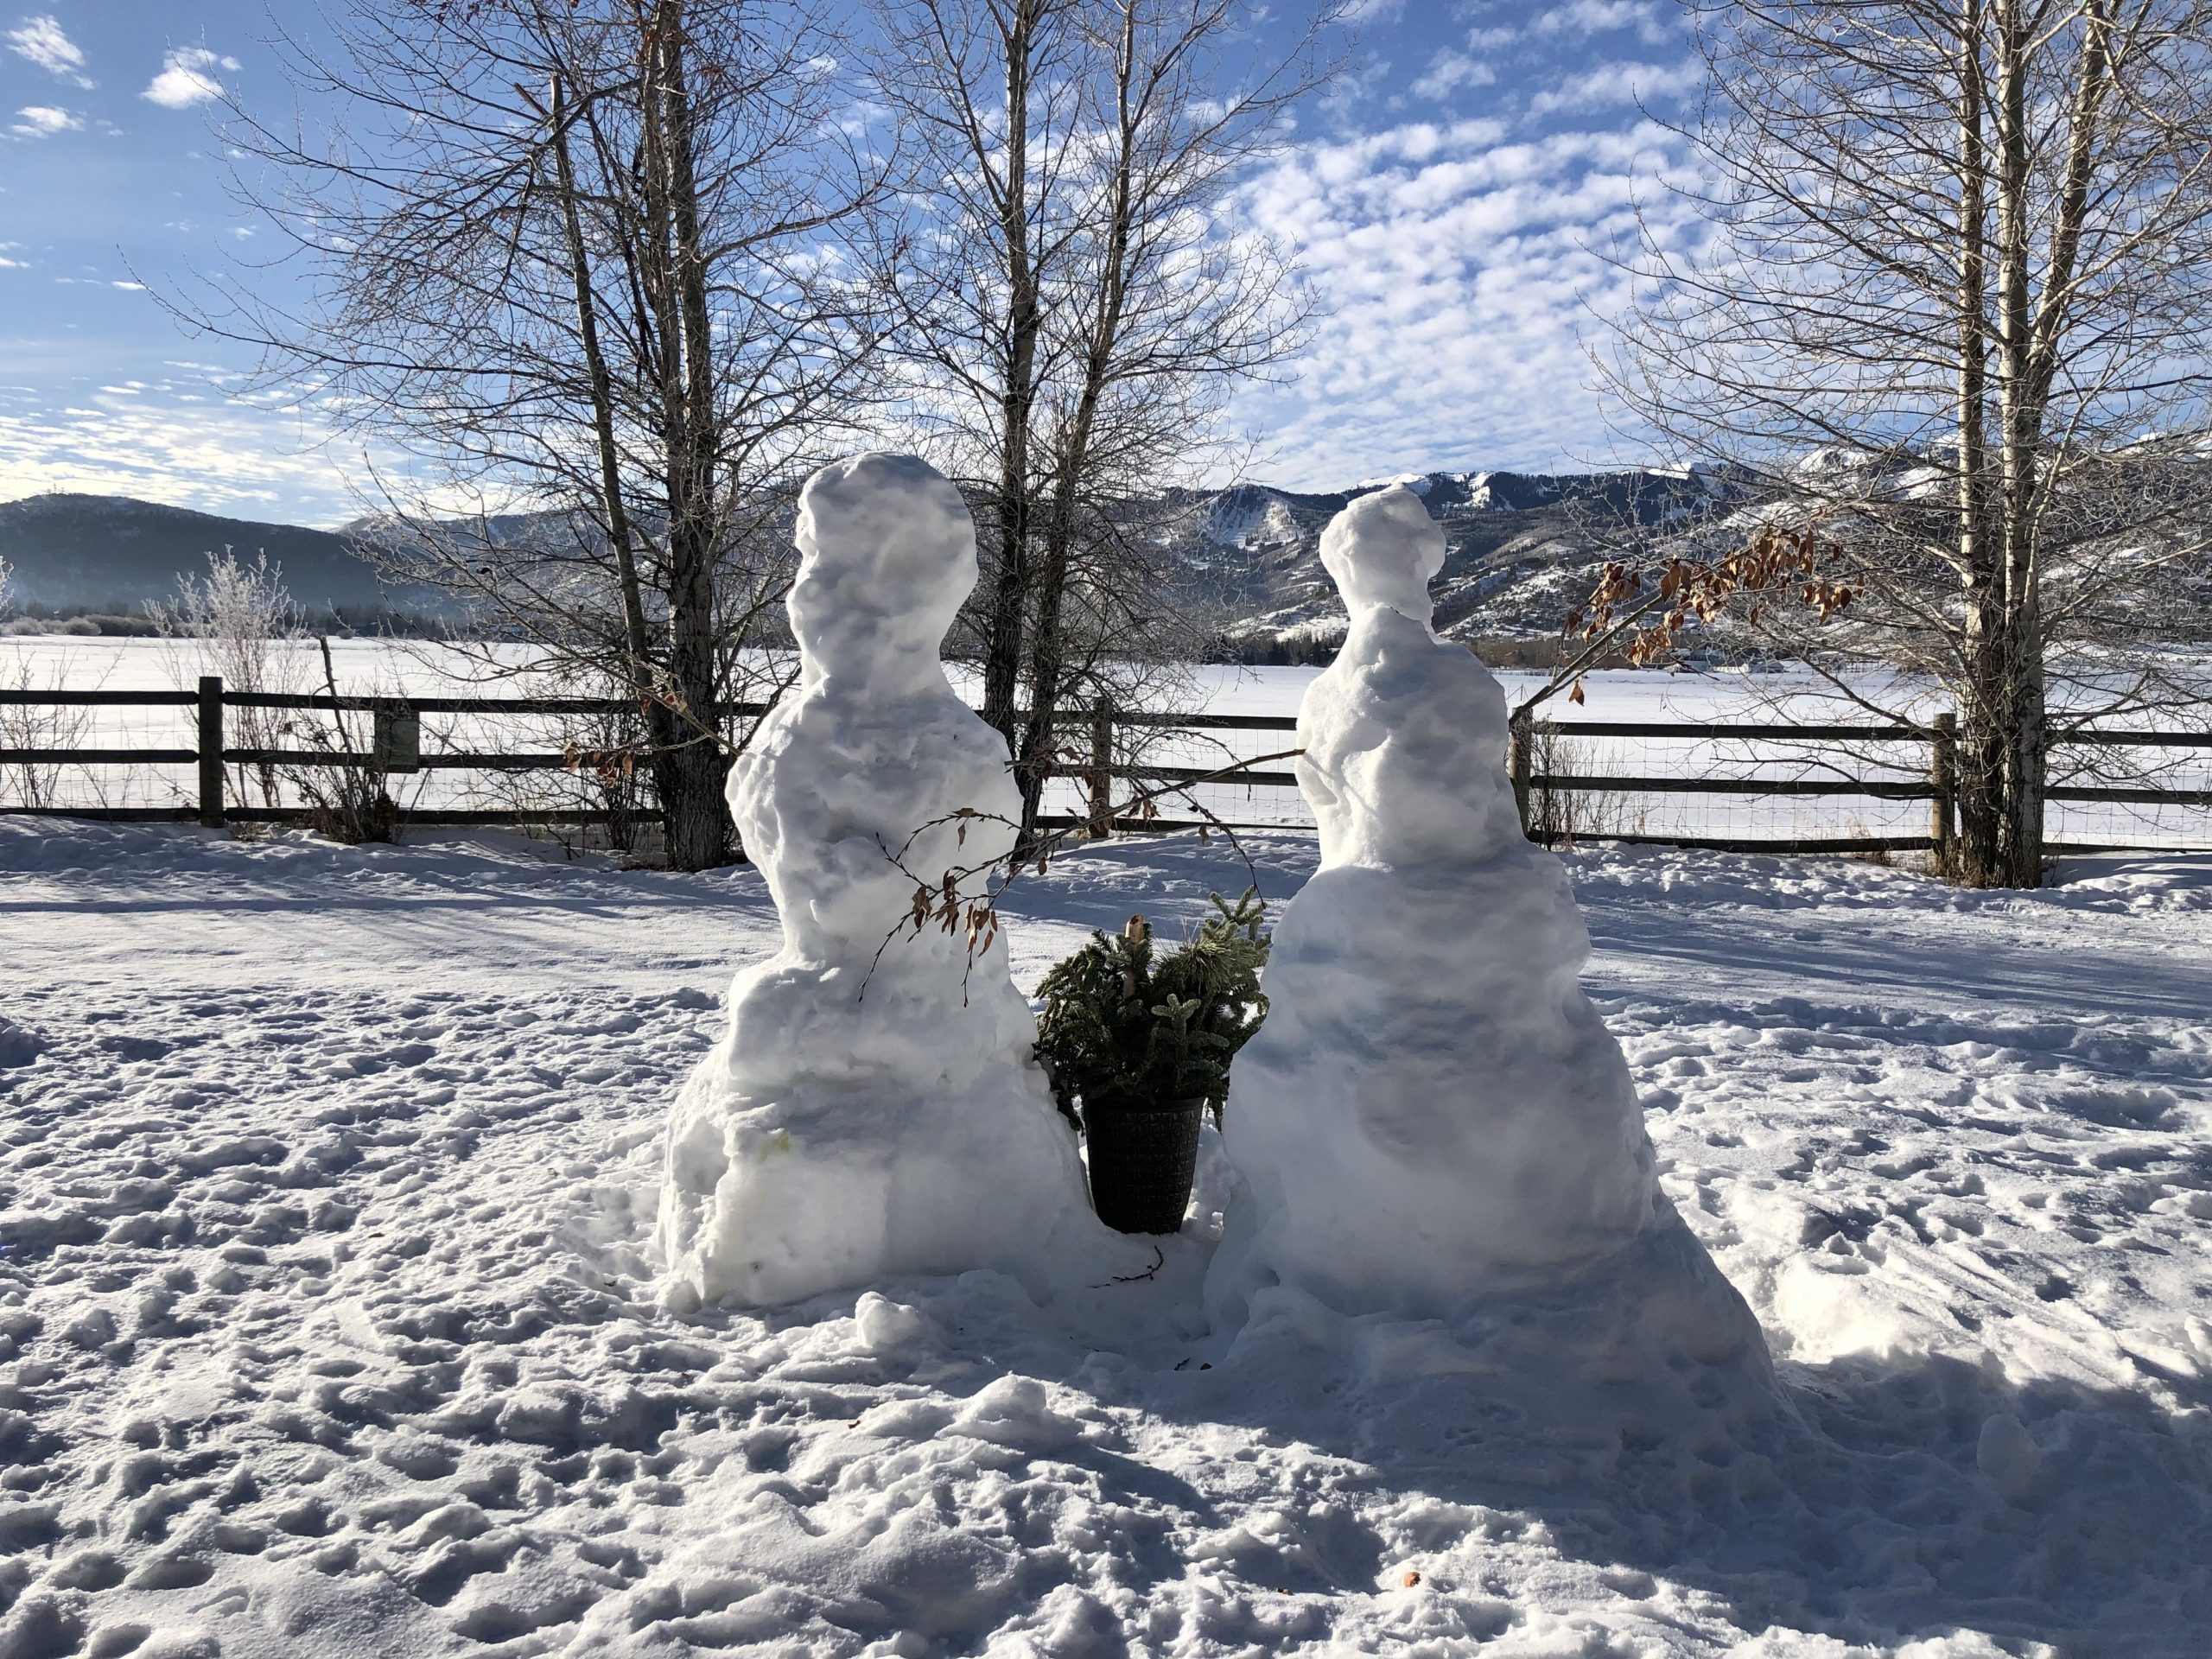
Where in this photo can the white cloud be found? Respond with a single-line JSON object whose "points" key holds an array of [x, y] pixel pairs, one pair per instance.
{"points": [[41, 40], [43, 121], [1453, 69], [188, 78], [1458, 273], [1611, 85], [164, 442], [1583, 18]]}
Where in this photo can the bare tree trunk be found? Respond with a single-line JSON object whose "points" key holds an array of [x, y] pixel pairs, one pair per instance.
{"points": [[660, 724], [696, 822], [2018, 448], [1980, 747], [1047, 657], [2028, 331], [1025, 319], [2028, 773]]}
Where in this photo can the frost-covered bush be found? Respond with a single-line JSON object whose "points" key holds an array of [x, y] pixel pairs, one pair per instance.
{"points": [[346, 801], [242, 613], [1119, 1027], [49, 726], [1559, 818], [239, 622]]}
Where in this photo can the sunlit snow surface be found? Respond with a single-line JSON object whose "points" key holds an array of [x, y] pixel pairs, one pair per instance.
{"points": [[327, 1178]]}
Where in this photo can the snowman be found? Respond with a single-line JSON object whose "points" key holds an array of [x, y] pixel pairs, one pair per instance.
{"points": [[874, 1109], [1433, 1124]]}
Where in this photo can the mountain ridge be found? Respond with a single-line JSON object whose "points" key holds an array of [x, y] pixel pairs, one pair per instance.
{"points": [[1247, 555], [78, 554]]}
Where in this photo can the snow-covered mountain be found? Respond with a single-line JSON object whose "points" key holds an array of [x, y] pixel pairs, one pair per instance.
{"points": [[1522, 546], [93, 555]]}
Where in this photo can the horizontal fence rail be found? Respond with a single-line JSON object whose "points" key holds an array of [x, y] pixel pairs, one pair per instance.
{"points": [[1107, 750], [15, 697]]}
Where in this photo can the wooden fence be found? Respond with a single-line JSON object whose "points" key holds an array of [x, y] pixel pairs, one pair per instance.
{"points": [[1937, 784], [394, 750], [1106, 735]]}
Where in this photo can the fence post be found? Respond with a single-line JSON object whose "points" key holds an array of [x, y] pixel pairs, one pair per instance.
{"points": [[211, 751], [1100, 779], [1943, 773], [1518, 731]]}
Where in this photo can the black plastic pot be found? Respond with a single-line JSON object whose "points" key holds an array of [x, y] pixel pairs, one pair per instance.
{"points": [[1143, 1155]]}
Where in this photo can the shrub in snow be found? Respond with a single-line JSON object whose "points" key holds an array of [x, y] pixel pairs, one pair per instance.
{"points": [[1435, 1123], [1145, 1046], [875, 1107], [241, 622], [1119, 1027]]}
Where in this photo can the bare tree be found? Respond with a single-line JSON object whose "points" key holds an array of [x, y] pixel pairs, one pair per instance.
{"points": [[1942, 299], [1074, 310], [991, 92], [583, 259], [1165, 312]]}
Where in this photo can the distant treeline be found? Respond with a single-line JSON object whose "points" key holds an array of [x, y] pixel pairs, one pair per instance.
{"points": [[342, 623], [1309, 648]]}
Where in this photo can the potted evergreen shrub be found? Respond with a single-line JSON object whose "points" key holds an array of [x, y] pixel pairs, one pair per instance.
{"points": [[1137, 1047]]}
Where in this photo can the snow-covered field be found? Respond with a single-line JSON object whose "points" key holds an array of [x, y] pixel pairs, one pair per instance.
{"points": [[391, 668], [328, 1329]]}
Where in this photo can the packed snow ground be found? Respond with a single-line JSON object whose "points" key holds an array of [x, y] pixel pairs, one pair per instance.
{"points": [[325, 1178]]}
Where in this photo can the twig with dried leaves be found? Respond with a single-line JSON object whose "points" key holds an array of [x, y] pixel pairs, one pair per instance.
{"points": [[1640, 615], [942, 901]]}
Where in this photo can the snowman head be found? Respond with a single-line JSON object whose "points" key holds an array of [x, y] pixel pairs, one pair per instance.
{"points": [[886, 553], [1381, 549]]}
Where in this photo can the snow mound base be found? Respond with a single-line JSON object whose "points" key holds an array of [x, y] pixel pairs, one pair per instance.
{"points": [[18, 1046], [1434, 1124], [875, 1108]]}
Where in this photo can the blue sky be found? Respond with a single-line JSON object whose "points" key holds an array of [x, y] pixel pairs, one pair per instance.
{"points": [[1445, 193]]}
